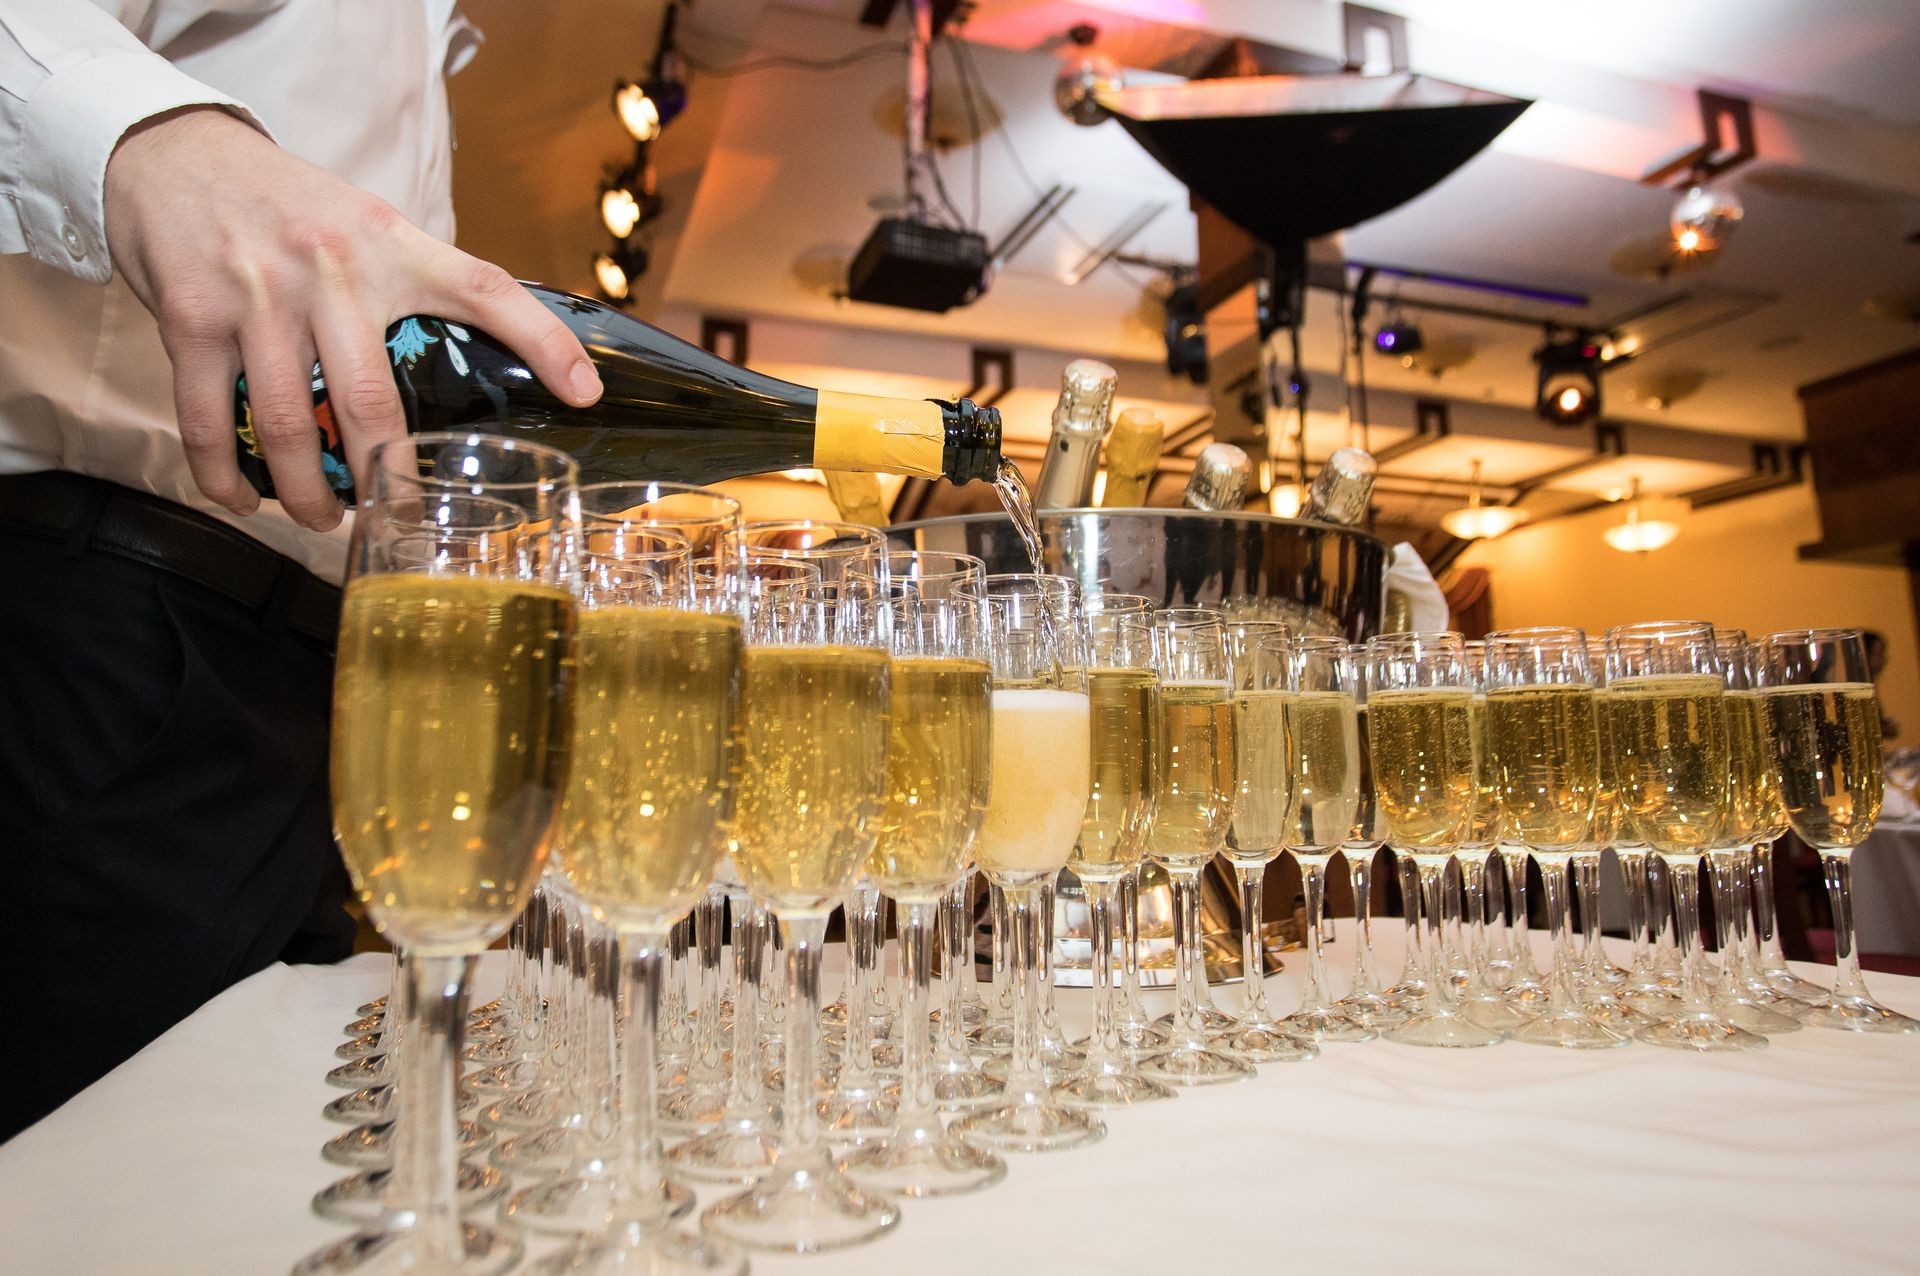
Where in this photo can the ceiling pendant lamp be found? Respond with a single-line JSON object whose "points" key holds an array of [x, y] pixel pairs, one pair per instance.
{"points": [[1476, 521], [1644, 529]]}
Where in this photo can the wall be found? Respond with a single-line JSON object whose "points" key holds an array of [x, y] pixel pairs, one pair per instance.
{"points": [[1733, 564]]}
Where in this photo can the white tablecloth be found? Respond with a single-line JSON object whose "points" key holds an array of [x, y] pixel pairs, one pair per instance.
{"points": [[200, 1155]]}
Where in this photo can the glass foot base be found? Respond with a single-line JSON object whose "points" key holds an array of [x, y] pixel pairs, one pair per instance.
{"points": [[581, 1205], [638, 1251], [370, 1146], [1193, 1065], [1139, 1034], [1030, 1127], [526, 1111], [1764, 1020], [738, 1153], [1695, 1033], [541, 1152], [1111, 1089], [360, 1047], [801, 1210], [1371, 1009], [505, 1078], [1569, 1029], [857, 1117], [378, 1006], [484, 1251], [922, 1163], [361, 1198], [361, 1106], [1856, 1014], [1495, 1014], [1326, 1025], [1270, 1045], [368, 1070], [1788, 984], [1211, 1017], [825, 1081], [692, 1111], [365, 1024], [1058, 1065], [961, 1091], [491, 1051], [1444, 1029]]}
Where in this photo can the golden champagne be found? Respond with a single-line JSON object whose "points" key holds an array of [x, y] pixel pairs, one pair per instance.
{"points": [[1042, 774], [1194, 781], [1483, 829], [1826, 748], [1369, 821], [1114, 833], [1608, 826], [1544, 742], [938, 768], [650, 783], [1323, 736], [1263, 779], [1755, 813], [1670, 742], [813, 772], [1423, 766], [449, 748]]}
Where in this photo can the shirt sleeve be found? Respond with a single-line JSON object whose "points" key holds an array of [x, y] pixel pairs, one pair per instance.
{"points": [[72, 82]]}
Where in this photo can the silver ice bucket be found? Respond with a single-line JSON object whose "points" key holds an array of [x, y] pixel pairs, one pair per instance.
{"points": [[1318, 577]]}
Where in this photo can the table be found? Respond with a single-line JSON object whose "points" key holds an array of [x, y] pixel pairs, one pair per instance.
{"points": [[199, 1155]]}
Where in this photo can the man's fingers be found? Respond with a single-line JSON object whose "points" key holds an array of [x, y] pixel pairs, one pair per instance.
{"points": [[468, 290], [280, 388], [360, 388], [203, 400]]}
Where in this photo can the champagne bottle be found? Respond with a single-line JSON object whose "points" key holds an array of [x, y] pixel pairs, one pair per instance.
{"points": [[671, 410], [857, 496], [1219, 481], [1343, 488], [1133, 454], [1073, 447]]}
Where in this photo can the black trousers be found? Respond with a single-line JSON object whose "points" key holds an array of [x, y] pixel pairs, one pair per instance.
{"points": [[164, 819]]}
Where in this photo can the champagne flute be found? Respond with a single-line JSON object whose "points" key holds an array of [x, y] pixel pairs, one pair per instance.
{"points": [[1823, 719], [938, 766], [1598, 974], [1667, 702], [1121, 684], [1365, 1001], [1260, 663], [449, 725], [1482, 1000], [1193, 806], [812, 791], [1042, 777], [642, 827], [1420, 706], [1544, 741]]}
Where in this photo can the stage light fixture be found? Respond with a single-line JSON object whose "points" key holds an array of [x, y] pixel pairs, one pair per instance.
{"points": [[619, 211], [1704, 219], [1186, 335], [1568, 393], [1399, 339], [615, 271]]}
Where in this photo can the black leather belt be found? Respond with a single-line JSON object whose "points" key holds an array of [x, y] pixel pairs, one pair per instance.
{"points": [[93, 515]]}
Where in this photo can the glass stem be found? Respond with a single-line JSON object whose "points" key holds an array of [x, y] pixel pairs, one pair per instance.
{"points": [[863, 919], [1473, 892], [916, 1111], [1026, 1077], [957, 970], [1433, 880], [1553, 878], [1746, 951], [1103, 1043], [1520, 929], [1002, 947], [604, 1048], [673, 1007], [1313, 883], [1253, 966], [1047, 1017], [1130, 940], [743, 1095], [1847, 982], [1499, 939], [1586, 886], [426, 1156], [1722, 886], [641, 1185], [1683, 876], [1633, 865], [1414, 969], [708, 921], [1660, 904], [1766, 918], [800, 1116], [1189, 966], [1366, 979]]}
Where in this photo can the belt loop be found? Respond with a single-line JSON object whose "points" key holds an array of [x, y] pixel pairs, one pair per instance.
{"points": [[273, 615], [87, 514]]}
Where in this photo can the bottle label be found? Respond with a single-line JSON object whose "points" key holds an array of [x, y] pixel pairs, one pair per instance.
{"points": [[873, 433]]}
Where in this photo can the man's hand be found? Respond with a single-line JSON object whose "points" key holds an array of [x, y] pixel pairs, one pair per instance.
{"points": [[253, 258]]}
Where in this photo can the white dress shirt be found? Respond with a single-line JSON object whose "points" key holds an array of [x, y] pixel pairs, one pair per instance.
{"points": [[356, 86]]}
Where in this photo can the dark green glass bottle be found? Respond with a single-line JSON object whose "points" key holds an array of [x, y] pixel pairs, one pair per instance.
{"points": [[670, 410]]}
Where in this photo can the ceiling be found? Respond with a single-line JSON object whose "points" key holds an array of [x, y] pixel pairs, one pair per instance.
{"points": [[775, 174]]}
